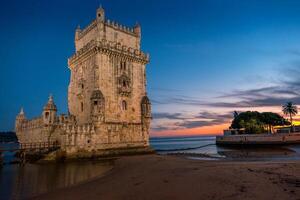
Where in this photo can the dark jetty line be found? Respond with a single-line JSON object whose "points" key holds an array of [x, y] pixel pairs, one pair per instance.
{"points": [[183, 149]]}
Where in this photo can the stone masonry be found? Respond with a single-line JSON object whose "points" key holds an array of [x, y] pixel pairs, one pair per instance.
{"points": [[109, 110]]}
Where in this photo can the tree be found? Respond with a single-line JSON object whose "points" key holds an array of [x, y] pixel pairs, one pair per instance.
{"points": [[250, 121], [254, 122], [272, 119], [291, 110]]}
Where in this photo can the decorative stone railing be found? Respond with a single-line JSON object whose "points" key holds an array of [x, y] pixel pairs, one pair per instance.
{"points": [[124, 90], [39, 145], [113, 47], [63, 119], [85, 128], [31, 124]]}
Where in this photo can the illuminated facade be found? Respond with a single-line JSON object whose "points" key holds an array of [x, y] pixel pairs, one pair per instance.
{"points": [[107, 100]]}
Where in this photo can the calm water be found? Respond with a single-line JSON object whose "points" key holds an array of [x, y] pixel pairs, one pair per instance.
{"points": [[22, 182], [17, 182], [205, 148]]}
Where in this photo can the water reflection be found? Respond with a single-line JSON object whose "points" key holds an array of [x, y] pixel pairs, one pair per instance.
{"points": [[21, 182], [205, 148]]}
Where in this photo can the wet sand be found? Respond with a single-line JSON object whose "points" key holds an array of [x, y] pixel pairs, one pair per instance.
{"points": [[175, 177]]}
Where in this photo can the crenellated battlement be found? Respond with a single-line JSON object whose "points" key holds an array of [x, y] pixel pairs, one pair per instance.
{"points": [[109, 47], [88, 28], [112, 24], [30, 124], [119, 27]]}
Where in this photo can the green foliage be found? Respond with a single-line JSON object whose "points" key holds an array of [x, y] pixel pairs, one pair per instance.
{"points": [[254, 122]]}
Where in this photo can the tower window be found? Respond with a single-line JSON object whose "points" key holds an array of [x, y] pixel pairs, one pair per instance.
{"points": [[82, 86], [81, 106], [95, 103], [123, 65], [124, 105], [124, 84], [47, 115]]}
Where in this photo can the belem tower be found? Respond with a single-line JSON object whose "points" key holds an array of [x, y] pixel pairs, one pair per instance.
{"points": [[109, 111]]}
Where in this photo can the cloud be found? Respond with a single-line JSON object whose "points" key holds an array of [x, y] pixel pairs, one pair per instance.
{"points": [[276, 94], [295, 52], [168, 116], [287, 90], [175, 121]]}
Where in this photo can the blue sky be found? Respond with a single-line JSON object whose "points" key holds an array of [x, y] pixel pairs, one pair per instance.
{"points": [[208, 58]]}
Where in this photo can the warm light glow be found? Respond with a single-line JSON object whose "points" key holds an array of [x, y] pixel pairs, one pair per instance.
{"points": [[207, 130], [218, 129]]}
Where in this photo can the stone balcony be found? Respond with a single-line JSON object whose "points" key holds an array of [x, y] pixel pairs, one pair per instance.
{"points": [[109, 48]]}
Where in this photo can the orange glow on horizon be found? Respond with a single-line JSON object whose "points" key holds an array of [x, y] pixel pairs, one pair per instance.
{"points": [[205, 130], [218, 129]]}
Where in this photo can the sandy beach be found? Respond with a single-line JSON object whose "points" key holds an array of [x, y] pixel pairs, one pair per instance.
{"points": [[175, 177]]}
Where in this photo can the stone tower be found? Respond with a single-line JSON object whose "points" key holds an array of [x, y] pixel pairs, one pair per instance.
{"points": [[109, 111], [107, 73], [108, 80]]}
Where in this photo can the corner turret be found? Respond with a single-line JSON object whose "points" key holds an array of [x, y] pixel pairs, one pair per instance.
{"points": [[20, 119], [100, 14], [49, 111], [137, 29], [77, 32]]}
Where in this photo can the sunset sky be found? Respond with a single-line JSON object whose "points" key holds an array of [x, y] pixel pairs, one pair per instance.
{"points": [[208, 57]]}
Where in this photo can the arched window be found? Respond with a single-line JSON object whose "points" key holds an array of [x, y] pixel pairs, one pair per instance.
{"points": [[97, 102], [124, 83], [47, 115], [124, 105]]}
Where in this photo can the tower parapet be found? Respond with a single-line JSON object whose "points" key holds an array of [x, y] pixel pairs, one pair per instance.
{"points": [[102, 28]]}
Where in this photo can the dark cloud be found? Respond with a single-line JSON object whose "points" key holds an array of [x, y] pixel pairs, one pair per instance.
{"points": [[206, 119], [288, 90], [199, 120], [295, 52], [168, 116]]}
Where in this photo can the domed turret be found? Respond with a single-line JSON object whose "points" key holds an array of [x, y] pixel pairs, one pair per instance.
{"points": [[100, 14], [21, 115], [137, 29], [20, 119], [49, 111], [50, 104]]}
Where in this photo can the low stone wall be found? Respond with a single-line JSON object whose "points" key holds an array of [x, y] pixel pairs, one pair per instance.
{"points": [[256, 139], [62, 155]]}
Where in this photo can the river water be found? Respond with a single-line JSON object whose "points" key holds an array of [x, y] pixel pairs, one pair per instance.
{"points": [[204, 148], [21, 182]]}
